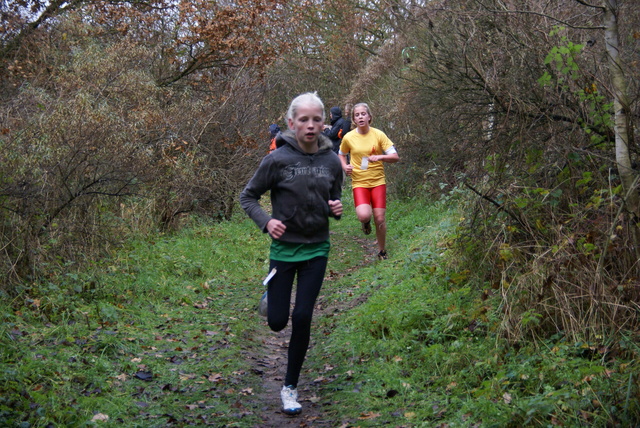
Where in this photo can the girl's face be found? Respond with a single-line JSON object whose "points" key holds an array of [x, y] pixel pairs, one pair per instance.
{"points": [[307, 123], [361, 117]]}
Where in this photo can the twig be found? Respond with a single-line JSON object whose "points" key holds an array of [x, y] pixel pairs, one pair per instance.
{"points": [[500, 206], [529, 12]]}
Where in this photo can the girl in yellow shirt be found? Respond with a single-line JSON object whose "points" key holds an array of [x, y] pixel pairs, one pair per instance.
{"points": [[368, 148]]}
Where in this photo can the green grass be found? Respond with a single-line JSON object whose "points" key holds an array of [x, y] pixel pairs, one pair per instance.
{"points": [[422, 350], [157, 336], [152, 339]]}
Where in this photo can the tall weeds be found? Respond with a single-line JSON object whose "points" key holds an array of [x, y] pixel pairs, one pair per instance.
{"points": [[569, 276]]}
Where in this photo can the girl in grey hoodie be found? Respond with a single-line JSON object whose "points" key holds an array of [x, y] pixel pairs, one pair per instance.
{"points": [[304, 177]]}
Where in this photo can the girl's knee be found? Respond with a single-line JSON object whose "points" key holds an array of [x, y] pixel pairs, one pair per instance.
{"points": [[380, 221], [363, 212], [302, 319], [363, 219], [277, 324]]}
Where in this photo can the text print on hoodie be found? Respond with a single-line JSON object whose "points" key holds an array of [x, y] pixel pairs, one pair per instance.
{"points": [[300, 184]]}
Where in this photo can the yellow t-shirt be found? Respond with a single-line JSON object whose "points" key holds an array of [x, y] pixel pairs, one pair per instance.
{"points": [[374, 142]]}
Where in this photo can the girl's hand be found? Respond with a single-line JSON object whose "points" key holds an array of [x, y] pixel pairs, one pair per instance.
{"points": [[375, 158], [336, 207], [348, 169], [276, 228]]}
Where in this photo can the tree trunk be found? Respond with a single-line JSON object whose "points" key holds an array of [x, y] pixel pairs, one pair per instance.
{"points": [[622, 128]]}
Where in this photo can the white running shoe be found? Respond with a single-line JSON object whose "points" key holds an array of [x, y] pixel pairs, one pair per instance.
{"points": [[290, 404], [262, 307]]}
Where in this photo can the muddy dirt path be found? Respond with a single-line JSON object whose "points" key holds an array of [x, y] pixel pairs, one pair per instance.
{"points": [[270, 363]]}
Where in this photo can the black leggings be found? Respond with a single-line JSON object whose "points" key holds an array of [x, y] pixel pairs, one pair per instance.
{"points": [[310, 276]]}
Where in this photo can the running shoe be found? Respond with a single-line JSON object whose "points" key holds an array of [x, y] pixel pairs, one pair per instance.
{"points": [[262, 307], [366, 227], [382, 255], [290, 404]]}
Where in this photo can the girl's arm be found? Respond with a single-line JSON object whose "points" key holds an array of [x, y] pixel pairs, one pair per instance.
{"points": [[390, 158], [250, 196]]}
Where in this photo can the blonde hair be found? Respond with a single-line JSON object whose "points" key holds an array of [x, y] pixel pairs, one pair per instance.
{"points": [[306, 98]]}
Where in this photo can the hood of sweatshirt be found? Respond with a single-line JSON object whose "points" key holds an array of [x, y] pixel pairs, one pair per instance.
{"points": [[336, 114], [288, 137]]}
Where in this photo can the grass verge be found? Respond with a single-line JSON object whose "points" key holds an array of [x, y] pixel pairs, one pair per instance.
{"points": [[422, 350], [159, 335], [153, 338]]}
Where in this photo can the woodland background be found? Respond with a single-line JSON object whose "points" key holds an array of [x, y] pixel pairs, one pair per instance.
{"points": [[119, 118]]}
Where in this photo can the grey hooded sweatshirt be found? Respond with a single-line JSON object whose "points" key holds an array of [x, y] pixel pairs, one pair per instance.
{"points": [[301, 186]]}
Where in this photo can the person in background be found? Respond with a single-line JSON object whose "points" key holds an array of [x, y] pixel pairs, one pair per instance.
{"points": [[334, 132], [274, 129], [304, 178], [346, 127], [368, 148]]}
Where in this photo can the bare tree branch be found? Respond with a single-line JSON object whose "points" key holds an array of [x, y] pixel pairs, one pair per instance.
{"points": [[497, 204], [55, 8], [529, 12], [584, 3]]}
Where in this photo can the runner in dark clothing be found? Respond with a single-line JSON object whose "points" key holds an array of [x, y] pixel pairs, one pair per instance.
{"points": [[304, 178], [334, 132]]}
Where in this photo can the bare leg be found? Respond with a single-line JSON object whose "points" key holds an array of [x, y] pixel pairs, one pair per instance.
{"points": [[363, 211], [381, 227]]}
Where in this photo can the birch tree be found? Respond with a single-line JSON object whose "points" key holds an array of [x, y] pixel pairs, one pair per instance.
{"points": [[621, 104]]}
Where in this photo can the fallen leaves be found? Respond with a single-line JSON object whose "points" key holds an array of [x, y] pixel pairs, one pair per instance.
{"points": [[142, 375], [100, 417], [314, 399], [185, 376], [369, 415], [215, 378], [247, 391]]}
